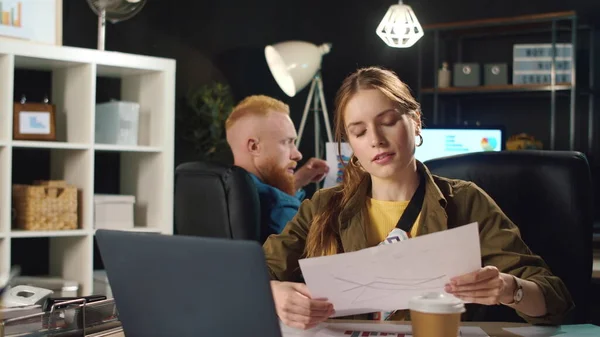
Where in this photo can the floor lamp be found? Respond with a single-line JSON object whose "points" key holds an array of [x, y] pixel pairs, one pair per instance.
{"points": [[294, 64]]}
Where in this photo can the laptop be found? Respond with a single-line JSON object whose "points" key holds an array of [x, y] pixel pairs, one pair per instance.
{"points": [[166, 285]]}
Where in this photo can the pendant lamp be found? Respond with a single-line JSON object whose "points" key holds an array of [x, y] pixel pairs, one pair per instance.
{"points": [[400, 27]]}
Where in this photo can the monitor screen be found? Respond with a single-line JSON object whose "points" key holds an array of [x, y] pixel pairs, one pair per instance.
{"points": [[449, 141], [437, 142]]}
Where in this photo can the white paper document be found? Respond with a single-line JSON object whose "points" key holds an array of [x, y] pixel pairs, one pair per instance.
{"points": [[384, 278], [347, 329], [332, 157]]}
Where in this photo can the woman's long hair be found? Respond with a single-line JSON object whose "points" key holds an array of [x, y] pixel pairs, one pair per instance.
{"points": [[323, 233]]}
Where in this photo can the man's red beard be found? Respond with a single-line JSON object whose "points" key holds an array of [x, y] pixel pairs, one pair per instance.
{"points": [[280, 178]]}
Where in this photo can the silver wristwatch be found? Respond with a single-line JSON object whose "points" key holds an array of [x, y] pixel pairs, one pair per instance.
{"points": [[518, 293]]}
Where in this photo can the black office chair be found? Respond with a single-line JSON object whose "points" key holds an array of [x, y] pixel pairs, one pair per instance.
{"points": [[548, 195], [215, 200]]}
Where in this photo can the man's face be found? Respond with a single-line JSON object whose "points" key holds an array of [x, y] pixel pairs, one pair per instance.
{"points": [[278, 156]]}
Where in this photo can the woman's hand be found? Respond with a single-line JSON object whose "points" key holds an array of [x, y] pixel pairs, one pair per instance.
{"points": [[295, 306], [486, 286]]}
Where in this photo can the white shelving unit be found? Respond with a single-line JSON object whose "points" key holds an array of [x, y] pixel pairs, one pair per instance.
{"points": [[146, 170]]}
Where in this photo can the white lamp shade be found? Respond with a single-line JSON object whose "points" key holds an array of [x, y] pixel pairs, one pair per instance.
{"points": [[293, 64], [400, 27]]}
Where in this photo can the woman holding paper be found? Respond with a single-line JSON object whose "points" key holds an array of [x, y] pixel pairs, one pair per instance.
{"points": [[385, 188]]}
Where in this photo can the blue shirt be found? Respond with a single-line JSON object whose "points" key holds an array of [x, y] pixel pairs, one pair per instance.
{"points": [[277, 208]]}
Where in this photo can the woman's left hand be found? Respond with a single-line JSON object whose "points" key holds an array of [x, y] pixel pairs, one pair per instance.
{"points": [[486, 286]]}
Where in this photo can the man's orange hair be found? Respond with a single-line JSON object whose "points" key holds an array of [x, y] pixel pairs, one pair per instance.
{"points": [[257, 105]]}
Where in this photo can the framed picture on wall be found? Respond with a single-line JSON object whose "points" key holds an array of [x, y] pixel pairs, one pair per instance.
{"points": [[34, 121], [32, 20]]}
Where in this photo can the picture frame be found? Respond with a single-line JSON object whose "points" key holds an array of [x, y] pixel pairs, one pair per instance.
{"points": [[34, 121], [37, 21]]}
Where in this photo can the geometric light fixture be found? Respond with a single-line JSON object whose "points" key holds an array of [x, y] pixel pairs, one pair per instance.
{"points": [[400, 27]]}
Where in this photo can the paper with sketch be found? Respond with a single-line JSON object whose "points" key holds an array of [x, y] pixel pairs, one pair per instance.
{"points": [[336, 169], [384, 278]]}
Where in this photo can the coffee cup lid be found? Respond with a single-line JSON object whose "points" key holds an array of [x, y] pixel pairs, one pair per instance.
{"points": [[436, 303]]}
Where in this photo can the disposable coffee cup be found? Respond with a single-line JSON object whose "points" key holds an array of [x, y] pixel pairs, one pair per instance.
{"points": [[435, 314]]}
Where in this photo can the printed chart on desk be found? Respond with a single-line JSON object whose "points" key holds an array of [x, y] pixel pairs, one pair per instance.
{"points": [[464, 332], [365, 333], [389, 330], [351, 329]]}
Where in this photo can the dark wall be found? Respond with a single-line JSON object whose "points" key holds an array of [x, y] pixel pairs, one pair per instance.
{"points": [[224, 40]]}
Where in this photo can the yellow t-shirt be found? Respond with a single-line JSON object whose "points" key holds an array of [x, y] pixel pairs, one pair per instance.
{"points": [[383, 217]]}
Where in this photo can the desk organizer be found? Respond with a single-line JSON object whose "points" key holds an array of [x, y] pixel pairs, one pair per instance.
{"points": [[71, 318]]}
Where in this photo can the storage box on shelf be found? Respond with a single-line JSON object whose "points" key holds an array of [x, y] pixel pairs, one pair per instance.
{"points": [[146, 165], [49, 205], [72, 167], [117, 123], [113, 211]]}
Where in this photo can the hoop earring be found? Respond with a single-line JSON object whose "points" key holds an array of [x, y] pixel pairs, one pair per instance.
{"points": [[354, 162], [420, 140]]}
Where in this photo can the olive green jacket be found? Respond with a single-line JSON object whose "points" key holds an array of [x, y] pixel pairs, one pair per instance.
{"points": [[448, 203]]}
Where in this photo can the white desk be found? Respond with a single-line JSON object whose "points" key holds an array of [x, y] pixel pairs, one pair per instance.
{"points": [[491, 328]]}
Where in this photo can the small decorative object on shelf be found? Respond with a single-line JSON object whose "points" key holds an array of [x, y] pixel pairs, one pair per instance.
{"points": [[34, 121], [444, 76], [45, 205], [523, 141]]}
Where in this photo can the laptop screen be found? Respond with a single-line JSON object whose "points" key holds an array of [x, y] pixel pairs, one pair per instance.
{"points": [[449, 141]]}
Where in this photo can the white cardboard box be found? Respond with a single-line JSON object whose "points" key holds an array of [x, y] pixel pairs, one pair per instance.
{"points": [[113, 211]]}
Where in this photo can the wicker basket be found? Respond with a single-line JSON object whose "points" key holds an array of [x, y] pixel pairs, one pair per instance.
{"points": [[46, 205]]}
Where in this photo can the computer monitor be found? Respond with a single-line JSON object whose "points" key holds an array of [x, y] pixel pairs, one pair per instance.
{"points": [[438, 141], [443, 141]]}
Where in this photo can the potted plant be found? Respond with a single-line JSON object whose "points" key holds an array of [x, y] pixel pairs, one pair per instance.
{"points": [[202, 121]]}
